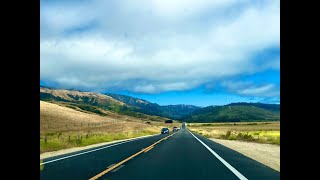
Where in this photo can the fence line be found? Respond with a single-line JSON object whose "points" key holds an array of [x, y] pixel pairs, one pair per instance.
{"points": [[70, 126]]}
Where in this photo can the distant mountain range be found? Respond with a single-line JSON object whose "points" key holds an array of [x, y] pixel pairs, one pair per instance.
{"points": [[169, 111], [136, 107]]}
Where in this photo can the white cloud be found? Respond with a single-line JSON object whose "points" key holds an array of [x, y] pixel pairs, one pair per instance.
{"points": [[152, 47], [258, 91], [163, 86], [251, 89], [270, 100], [183, 8], [57, 18]]}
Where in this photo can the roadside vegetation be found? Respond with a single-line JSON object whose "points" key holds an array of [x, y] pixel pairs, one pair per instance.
{"points": [[260, 132], [53, 141], [41, 166]]}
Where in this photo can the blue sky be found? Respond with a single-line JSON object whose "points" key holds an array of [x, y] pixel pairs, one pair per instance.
{"points": [[199, 52]]}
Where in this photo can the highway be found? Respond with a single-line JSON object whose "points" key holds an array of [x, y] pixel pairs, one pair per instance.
{"points": [[181, 155]]}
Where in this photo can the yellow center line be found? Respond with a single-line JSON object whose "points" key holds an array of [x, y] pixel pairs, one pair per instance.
{"points": [[148, 149], [127, 159]]}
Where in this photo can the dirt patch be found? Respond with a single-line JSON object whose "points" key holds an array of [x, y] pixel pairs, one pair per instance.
{"points": [[266, 154]]}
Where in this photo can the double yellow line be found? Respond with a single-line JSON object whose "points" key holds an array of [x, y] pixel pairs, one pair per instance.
{"points": [[127, 159]]}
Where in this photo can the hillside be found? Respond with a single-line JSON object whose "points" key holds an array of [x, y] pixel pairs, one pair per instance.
{"points": [[178, 111], [271, 107], [93, 102], [62, 127], [235, 112], [143, 106], [58, 117], [77, 96], [54, 116]]}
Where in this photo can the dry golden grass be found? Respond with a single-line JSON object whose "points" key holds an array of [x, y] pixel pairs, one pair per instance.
{"points": [[55, 117], [62, 93], [263, 132], [242, 126]]}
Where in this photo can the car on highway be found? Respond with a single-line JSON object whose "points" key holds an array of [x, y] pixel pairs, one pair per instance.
{"points": [[165, 131], [175, 128]]}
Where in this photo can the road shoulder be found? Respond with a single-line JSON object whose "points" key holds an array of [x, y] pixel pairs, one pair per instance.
{"points": [[267, 154], [75, 149]]}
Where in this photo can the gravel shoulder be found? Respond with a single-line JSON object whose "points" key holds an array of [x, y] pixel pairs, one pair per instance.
{"points": [[267, 154]]}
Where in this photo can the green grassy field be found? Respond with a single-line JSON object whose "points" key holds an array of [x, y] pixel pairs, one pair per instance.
{"points": [[260, 132]]}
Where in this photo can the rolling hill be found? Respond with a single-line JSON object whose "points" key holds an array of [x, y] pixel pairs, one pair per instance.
{"points": [[236, 112], [93, 102], [114, 102], [271, 107], [56, 116], [104, 104]]}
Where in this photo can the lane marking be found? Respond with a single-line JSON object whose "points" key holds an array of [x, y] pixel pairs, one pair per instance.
{"points": [[127, 159], [115, 166], [232, 169], [115, 170], [54, 160], [148, 149]]}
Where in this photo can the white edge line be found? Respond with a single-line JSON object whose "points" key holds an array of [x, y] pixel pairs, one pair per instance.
{"points": [[237, 173], [116, 169], [94, 150]]}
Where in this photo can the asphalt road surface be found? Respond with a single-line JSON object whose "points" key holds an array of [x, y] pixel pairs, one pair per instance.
{"points": [[181, 156]]}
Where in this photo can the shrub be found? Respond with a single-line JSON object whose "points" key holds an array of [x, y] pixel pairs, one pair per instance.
{"points": [[245, 137], [256, 133], [232, 138], [228, 134]]}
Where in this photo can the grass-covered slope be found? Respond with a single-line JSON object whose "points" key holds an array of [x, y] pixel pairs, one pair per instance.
{"points": [[236, 112], [92, 102]]}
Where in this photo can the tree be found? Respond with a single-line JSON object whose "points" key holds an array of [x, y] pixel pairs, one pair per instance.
{"points": [[168, 121]]}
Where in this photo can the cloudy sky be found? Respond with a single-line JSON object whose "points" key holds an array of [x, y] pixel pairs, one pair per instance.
{"points": [[201, 52]]}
